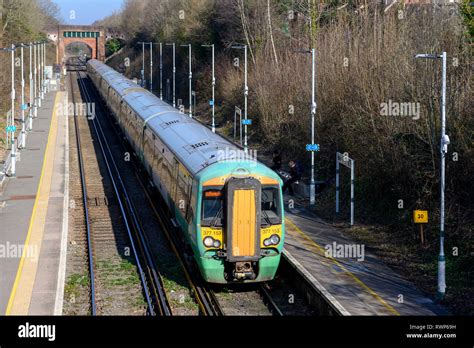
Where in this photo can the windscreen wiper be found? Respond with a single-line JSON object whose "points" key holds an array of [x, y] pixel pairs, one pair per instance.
{"points": [[214, 219], [265, 216]]}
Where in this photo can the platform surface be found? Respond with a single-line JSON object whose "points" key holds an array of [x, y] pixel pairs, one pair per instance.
{"points": [[360, 282], [31, 218]]}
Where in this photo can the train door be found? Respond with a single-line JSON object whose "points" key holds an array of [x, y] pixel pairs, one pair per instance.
{"points": [[174, 181], [243, 220]]}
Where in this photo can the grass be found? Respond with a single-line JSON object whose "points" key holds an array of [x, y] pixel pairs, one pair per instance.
{"points": [[123, 273], [73, 285]]}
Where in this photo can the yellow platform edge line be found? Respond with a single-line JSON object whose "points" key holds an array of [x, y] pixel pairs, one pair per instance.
{"points": [[33, 214], [352, 275]]}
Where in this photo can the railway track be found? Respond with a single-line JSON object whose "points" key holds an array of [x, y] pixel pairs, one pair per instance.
{"points": [[120, 269]]}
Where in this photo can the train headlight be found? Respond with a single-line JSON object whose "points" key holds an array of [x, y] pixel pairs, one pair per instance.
{"points": [[275, 239], [217, 244], [208, 242]]}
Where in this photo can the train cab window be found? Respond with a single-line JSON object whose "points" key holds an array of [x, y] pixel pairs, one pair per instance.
{"points": [[212, 208], [270, 206]]}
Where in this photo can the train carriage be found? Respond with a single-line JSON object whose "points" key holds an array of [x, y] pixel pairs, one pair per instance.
{"points": [[228, 205]]}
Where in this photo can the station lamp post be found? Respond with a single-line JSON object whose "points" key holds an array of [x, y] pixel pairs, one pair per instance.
{"points": [[444, 142], [151, 67], [21, 145], [36, 82], [213, 88], [30, 111], [161, 70], [246, 93], [174, 72], [190, 80], [39, 74], [11, 120], [13, 151], [313, 147], [44, 68]]}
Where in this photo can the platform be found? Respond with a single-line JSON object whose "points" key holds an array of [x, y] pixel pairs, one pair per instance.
{"points": [[357, 283], [33, 219]]}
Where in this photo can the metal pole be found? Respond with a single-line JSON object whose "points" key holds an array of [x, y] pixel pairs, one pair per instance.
{"points": [[23, 127], [30, 112], [44, 69], [143, 65], [246, 92], [151, 67], [161, 71], [443, 150], [352, 192], [174, 75], [13, 152], [190, 83], [235, 120], [240, 125], [39, 74], [444, 142], [35, 89], [213, 93], [337, 183], [312, 193]]}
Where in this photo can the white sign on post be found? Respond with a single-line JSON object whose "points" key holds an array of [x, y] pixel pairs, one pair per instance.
{"points": [[345, 160]]}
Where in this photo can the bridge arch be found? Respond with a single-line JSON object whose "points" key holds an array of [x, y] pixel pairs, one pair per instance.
{"points": [[94, 37], [78, 48]]}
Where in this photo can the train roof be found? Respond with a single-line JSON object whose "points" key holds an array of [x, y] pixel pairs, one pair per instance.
{"points": [[196, 146]]}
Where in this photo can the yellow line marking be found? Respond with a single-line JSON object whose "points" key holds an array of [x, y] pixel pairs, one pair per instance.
{"points": [[352, 275], [26, 272]]}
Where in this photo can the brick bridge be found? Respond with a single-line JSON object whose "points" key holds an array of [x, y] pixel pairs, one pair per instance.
{"points": [[93, 36]]}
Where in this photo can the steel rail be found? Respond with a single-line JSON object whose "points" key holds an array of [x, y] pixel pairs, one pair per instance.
{"points": [[155, 284]]}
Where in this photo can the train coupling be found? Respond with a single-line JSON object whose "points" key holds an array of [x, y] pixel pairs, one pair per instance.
{"points": [[243, 270]]}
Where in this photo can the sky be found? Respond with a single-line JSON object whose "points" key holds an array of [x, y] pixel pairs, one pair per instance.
{"points": [[84, 12]]}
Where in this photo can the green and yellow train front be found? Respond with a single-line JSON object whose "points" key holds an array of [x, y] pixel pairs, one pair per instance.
{"points": [[239, 224]]}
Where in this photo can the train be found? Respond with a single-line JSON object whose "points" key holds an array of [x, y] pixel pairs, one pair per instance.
{"points": [[228, 206]]}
